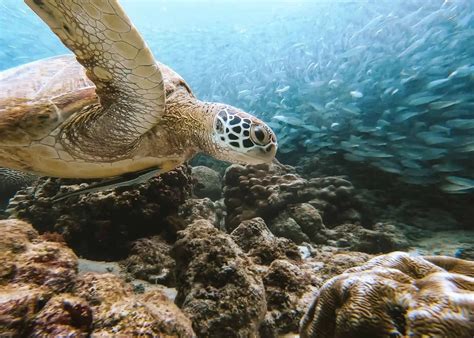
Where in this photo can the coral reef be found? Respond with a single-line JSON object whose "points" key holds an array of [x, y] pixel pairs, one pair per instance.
{"points": [[319, 210], [218, 286], [149, 259], [32, 271], [101, 225], [193, 209], [263, 191], [117, 311], [255, 239], [207, 183], [41, 294], [396, 295]]}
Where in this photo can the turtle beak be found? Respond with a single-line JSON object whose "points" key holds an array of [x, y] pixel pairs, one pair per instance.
{"points": [[257, 155]]}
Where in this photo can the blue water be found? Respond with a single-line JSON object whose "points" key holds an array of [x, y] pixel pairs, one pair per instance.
{"points": [[388, 84]]}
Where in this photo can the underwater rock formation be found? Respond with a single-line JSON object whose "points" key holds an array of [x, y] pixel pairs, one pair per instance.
{"points": [[258, 242], [208, 183], [396, 295], [264, 191], [218, 286], [149, 259], [380, 238], [101, 225], [41, 294], [117, 311], [194, 209], [323, 210], [31, 272]]}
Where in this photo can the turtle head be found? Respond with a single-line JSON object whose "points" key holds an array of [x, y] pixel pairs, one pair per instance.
{"points": [[239, 137]]}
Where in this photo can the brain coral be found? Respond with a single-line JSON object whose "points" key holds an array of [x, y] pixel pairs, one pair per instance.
{"points": [[396, 295]]}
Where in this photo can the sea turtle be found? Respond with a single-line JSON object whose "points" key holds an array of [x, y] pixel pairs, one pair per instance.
{"points": [[115, 110]]}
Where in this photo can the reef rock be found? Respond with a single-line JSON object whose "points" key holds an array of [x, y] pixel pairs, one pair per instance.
{"points": [[117, 311], [207, 183], [381, 238], [194, 209], [218, 286], [324, 211], [264, 191], [396, 295], [150, 260], [254, 237], [101, 225], [41, 294], [63, 315], [32, 271], [286, 284]]}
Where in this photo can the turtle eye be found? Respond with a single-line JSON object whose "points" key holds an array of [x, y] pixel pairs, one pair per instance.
{"points": [[259, 135], [219, 126]]}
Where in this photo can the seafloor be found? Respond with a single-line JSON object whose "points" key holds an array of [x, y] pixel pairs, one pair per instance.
{"points": [[316, 249]]}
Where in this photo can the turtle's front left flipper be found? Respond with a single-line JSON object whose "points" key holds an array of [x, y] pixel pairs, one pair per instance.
{"points": [[120, 181], [128, 80]]}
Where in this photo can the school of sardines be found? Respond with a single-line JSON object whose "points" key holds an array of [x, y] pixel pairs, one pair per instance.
{"points": [[385, 83]]}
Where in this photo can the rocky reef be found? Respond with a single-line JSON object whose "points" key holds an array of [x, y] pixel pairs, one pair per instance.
{"points": [[273, 247], [42, 294], [396, 295], [324, 210], [102, 225]]}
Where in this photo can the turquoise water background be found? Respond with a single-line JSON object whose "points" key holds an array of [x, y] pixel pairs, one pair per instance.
{"points": [[385, 83]]}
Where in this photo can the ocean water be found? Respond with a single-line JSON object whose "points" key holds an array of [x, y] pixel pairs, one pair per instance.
{"points": [[387, 84]]}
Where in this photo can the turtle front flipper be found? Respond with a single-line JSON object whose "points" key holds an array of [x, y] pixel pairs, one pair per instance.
{"points": [[128, 80]]}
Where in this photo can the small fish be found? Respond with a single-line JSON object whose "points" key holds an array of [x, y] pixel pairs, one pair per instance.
{"points": [[447, 167], [431, 138], [405, 116], [436, 84], [439, 105], [282, 89], [356, 94], [461, 181], [461, 123], [418, 101], [289, 120], [353, 158]]}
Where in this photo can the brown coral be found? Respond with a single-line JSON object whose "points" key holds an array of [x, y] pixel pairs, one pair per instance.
{"points": [[396, 295], [32, 271], [42, 295], [264, 191], [101, 225], [218, 286], [117, 311], [319, 210]]}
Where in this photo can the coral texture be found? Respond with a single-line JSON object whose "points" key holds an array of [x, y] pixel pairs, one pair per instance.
{"points": [[319, 210], [254, 237], [101, 225], [396, 295], [42, 295], [218, 286], [117, 311], [150, 260], [263, 191], [32, 271], [207, 183]]}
